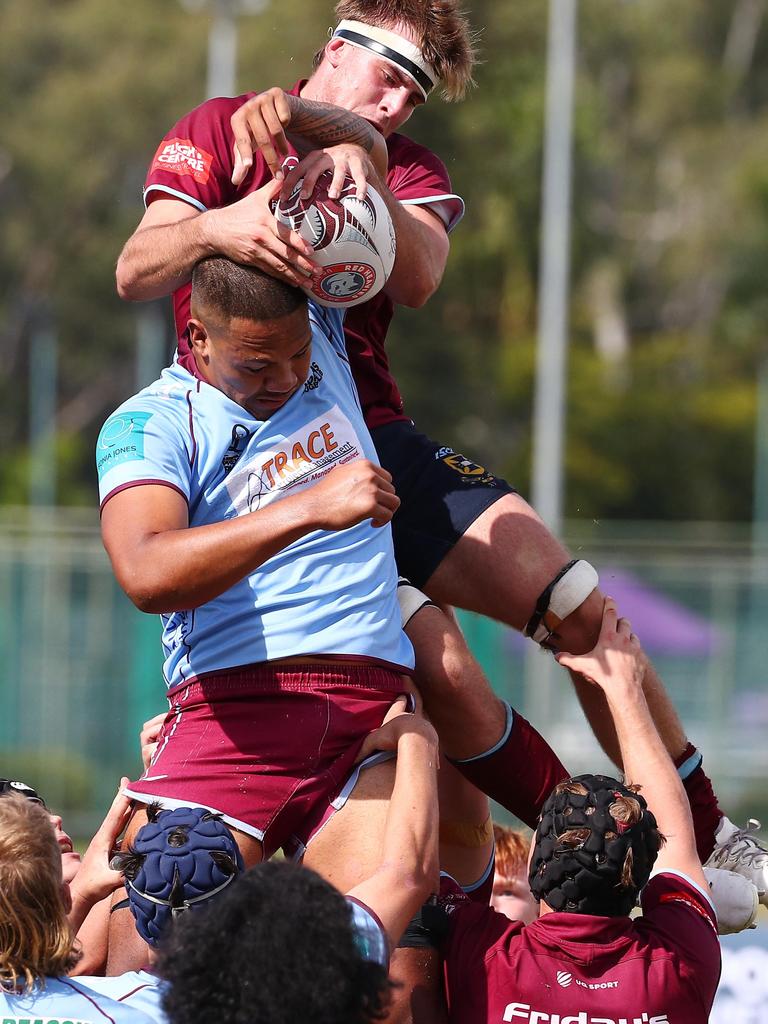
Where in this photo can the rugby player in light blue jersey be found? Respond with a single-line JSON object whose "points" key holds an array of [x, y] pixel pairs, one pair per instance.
{"points": [[244, 504]]}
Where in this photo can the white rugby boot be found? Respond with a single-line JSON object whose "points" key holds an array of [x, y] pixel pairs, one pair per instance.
{"points": [[739, 850], [735, 900]]}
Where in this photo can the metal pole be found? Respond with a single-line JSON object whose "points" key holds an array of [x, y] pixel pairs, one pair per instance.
{"points": [[549, 399], [760, 499], [150, 343], [222, 40], [758, 603], [222, 50]]}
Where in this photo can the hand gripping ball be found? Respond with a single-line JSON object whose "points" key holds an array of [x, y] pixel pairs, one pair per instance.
{"points": [[353, 239]]}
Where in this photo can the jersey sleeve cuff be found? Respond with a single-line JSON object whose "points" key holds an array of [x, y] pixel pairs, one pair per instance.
{"points": [[448, 207], [141, 483], [172, 193]]}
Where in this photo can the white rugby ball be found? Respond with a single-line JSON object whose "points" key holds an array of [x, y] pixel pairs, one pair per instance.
{"points": [[353, 239]]}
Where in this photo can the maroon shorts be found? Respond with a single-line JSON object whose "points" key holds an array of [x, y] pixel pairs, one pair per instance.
{"points": [[272, 749]]}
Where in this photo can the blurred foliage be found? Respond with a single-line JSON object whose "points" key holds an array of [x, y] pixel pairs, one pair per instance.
{"points": [[670, 233], [62, 779]]}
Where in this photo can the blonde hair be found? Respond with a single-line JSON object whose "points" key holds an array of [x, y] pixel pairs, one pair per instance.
{"points": [[511, 851], [444, 35], [35, 936]]}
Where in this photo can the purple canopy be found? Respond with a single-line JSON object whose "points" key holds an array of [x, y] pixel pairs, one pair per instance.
{"points": [[663, 625]]}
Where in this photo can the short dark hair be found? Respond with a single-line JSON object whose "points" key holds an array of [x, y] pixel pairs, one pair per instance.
{"points": [[276, 947], [221, 286]]}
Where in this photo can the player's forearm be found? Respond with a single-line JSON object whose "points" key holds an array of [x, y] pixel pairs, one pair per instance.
{"points": [[157, 260], [647, 762], [92, 937], [83, 902], [316, 125], [410, 844], [185, 568]]}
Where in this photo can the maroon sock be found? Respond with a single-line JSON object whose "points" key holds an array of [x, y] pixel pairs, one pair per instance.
{"points": [[519, 773], [705, 811]]}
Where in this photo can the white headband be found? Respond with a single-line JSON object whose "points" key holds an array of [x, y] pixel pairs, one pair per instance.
{"points": [[391, 47]]}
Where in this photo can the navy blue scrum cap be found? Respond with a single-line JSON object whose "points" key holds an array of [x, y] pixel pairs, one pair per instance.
{"points": [[180, 859]]}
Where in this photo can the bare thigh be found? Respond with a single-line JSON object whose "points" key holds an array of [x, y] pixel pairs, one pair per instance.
{"points": [[458, 699], [347, 849], [127, 951], [346, 852], [499, 568], [501, 565]]}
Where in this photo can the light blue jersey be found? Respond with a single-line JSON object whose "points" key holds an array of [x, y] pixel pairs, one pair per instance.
{"points": [[67, 1001], [138, 989], [330, 592]]}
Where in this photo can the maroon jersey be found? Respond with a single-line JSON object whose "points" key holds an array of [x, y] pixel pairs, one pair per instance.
{"points": [[661, 968], [194, 162]]}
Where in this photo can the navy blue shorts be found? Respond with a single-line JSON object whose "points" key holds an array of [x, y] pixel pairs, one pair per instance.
{"points": [[441, 492]]}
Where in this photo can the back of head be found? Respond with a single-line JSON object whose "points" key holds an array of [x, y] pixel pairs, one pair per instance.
{"points": [[446, 40], [35, 937], [277, 948], [228, 291], [594, 847], [177, 862]]}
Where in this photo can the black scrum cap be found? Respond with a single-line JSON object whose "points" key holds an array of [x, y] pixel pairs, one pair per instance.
{"points": [[585, 878]]}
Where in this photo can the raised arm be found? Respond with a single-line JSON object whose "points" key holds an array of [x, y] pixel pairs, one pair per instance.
{"points": [[617, 666], [164, 565], [174, 234], [269, 120], [95, 879], [408, 870]]}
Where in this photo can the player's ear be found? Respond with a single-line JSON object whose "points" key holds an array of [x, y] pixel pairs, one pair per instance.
{"points": [[334, 50], [198, 337]]}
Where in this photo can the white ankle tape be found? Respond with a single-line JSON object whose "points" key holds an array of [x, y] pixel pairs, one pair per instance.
{"points": [[561, 598]]}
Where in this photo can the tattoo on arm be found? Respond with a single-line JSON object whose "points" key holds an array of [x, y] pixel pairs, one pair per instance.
{"points": [[327, 125]]}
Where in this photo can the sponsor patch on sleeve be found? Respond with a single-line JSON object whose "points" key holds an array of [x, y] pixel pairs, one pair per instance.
{"points": [[121, 440], [182, 156]]}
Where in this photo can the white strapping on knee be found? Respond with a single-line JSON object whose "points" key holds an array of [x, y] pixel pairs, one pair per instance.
{"points": [[569, 589], [410, 599]]}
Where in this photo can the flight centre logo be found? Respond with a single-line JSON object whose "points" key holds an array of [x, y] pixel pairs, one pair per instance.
{"points": [[121, 440], [182, 156]]}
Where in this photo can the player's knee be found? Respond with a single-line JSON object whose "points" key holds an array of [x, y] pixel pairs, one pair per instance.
{"points": [[568, 611], [448, 675]]}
